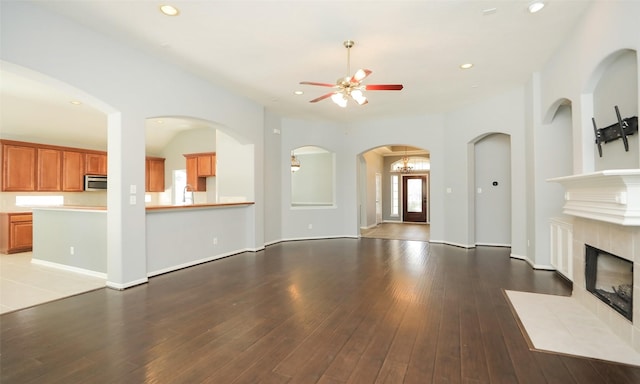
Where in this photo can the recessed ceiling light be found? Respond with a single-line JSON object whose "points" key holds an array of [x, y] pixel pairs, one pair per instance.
{"points": [[75, 102], [536, 6], [466, 66], [159, 121], [298, 92], [169, 10], [489, 11]]}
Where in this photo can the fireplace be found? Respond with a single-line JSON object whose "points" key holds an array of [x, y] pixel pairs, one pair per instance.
{"points": [[610, 279], [603, 211]]}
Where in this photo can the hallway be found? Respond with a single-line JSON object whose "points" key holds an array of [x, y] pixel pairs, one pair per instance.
{"points": [[398, 231]]}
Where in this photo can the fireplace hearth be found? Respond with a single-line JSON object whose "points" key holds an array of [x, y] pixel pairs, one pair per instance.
{"points": [[610, 279]]}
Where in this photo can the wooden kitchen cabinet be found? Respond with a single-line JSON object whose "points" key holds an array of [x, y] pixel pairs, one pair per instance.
{"points": [[95, 164], [18, 168], [154, 180], [207, 164], [49, 170], [199, 167], [73, 171], [17, 232]]}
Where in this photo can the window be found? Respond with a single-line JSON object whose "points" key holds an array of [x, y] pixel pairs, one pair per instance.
{"points": [[416, 164], [395, 191]]}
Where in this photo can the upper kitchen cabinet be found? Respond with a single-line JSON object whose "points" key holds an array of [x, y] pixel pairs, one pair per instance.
{"points": [[96, 164], [154, 174], [199, 167], [49, 170], [18, 167], [73, 171]]}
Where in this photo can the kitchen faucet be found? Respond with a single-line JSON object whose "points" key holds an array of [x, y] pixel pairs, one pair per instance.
{"points": [[188, 187]]}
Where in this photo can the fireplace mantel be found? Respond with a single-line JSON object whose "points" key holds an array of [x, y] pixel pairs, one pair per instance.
{"points": [[612, 196]]}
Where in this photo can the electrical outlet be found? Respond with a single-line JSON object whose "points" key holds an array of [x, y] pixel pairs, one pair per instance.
{"points": [[310, 226], [215, 241], [72, 250]]}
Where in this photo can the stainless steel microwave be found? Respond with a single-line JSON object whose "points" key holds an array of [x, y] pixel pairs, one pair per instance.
{"points": [[95, 183]]}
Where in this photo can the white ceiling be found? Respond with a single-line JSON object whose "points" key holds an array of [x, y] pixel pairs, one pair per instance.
{"points": [[262, 49]]}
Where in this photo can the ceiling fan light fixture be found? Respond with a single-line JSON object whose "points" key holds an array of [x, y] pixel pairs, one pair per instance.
{"points": [[357, 95], [339, 99]]}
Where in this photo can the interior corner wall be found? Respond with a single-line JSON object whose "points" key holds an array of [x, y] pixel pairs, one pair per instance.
{"points": [[374, 164], [273, 177]]}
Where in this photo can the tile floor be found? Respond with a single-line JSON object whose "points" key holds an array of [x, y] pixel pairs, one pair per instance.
{"points": [[561, 324], [23, 284], [398, 231]]}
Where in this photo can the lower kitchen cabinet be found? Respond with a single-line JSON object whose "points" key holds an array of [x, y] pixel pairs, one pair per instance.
{"points": [[17, 232]]}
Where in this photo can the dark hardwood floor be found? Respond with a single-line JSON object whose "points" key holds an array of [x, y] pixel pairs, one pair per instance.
{"points": [[320, 311]]}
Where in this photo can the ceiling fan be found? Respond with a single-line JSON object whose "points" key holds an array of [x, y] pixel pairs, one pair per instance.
{"points": [[351, 86]]}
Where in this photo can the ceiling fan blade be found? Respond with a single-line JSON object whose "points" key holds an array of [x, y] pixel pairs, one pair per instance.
{"points": [[325, 96], [318, 84], [383, 87], [360, 75]]}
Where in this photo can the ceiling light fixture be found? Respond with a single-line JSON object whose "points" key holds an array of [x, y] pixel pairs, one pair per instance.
{"points": [[536, 6], [466, 66], [295, 163], [298, 92], [406, 168], [75, 102], [169, 10], [351, 86]]}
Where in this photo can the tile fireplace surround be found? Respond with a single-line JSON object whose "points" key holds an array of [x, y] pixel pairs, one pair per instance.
{"points": [[606, 210]]}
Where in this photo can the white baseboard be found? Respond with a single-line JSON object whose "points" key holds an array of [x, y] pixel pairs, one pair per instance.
{"points": [[454, 244], [493, 245], [196, 262], [121, 287], [69, 268]]}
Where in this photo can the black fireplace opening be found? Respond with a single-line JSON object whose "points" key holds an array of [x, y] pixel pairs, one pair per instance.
{"points": [[610, 278]]}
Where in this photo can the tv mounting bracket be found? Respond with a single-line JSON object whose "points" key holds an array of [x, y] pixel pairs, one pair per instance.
{"points": [[625, 127]]}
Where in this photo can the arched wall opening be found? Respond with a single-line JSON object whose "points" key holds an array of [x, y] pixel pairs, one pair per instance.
{"points": [[382, 184]]}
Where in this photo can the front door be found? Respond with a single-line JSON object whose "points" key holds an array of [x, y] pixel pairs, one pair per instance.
{"points": [[414, 199]]}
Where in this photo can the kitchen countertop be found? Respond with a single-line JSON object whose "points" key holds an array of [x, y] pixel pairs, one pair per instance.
{"points": [[149, 208], [155, 208]]}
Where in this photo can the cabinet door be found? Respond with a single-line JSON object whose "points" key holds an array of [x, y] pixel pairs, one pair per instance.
{"points": [[195, 182], [49, 170], [155, 175], [206, 165], [72, 171], [18, 168], [21, 236], [95, 164]]}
